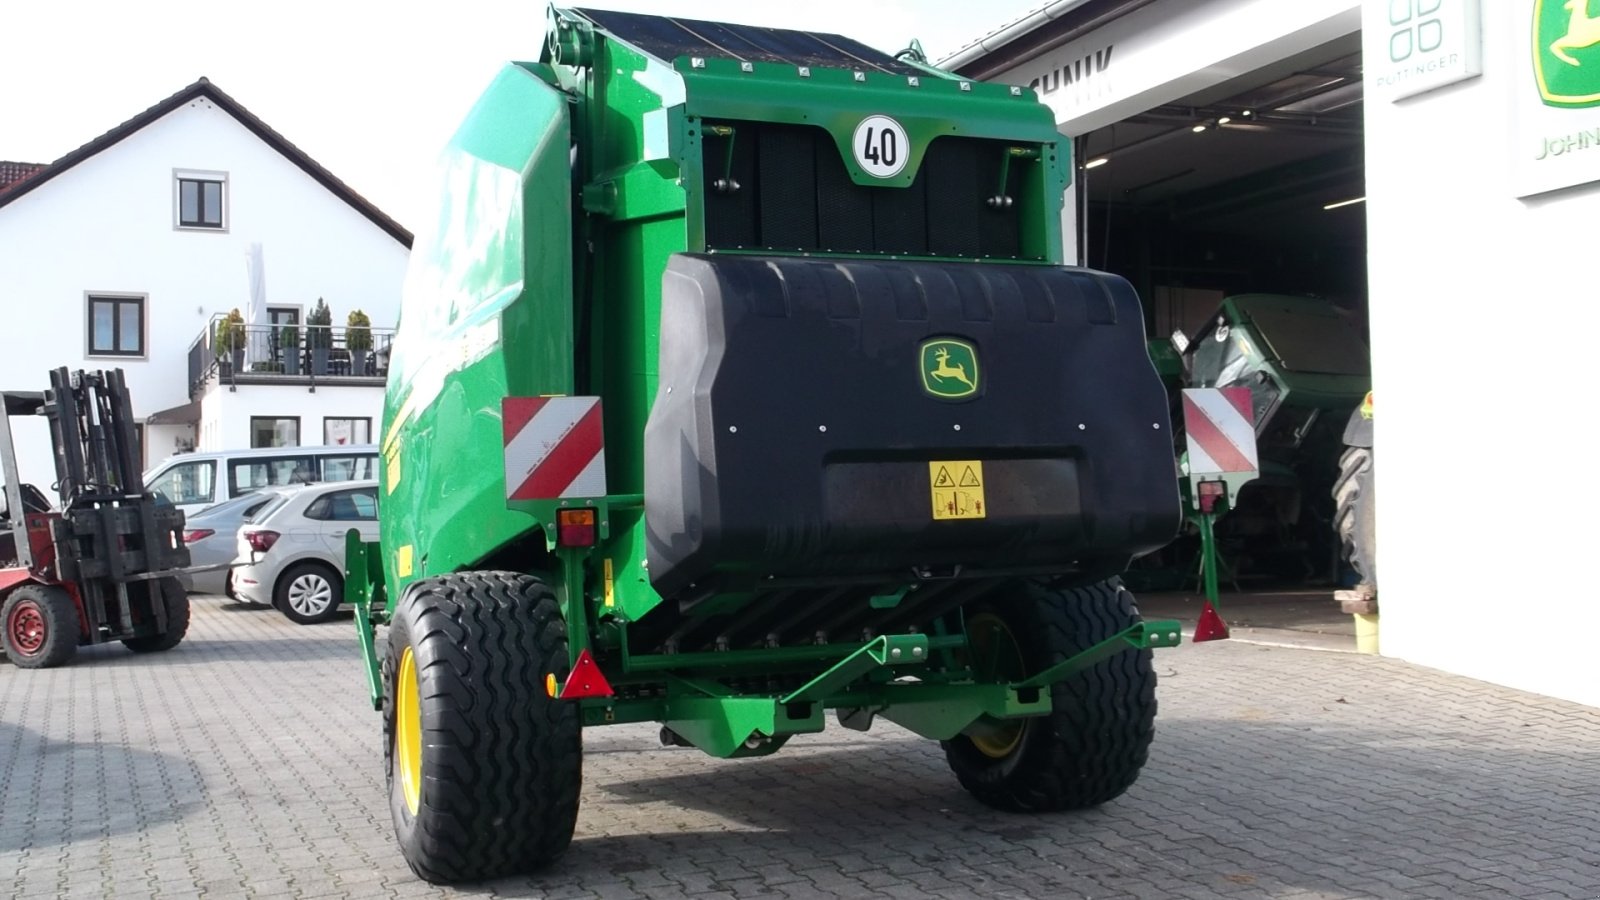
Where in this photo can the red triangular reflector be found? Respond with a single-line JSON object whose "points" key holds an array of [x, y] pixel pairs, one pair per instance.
{"points": [[585, 680], [1210, 627]]}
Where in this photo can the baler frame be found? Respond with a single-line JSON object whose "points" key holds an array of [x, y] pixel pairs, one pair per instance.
{"points": [[857, 679]]}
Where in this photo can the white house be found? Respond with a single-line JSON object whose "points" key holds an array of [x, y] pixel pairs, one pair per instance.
{"points": [[126, 252]]}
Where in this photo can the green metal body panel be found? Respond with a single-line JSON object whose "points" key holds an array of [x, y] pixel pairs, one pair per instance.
{"points": [[566, 189], [485, 315], [1312, 354]]}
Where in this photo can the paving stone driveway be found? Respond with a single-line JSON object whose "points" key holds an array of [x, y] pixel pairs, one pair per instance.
{"points": [[245, 763]]}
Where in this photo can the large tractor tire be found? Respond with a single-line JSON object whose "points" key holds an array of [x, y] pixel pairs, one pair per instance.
{"points": [[177, 602], [483, 766], [1356, 512], [1091, 746], [39, 626]]}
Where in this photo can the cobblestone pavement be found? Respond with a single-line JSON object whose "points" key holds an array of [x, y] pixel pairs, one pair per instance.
{"points": [[246, 763]]}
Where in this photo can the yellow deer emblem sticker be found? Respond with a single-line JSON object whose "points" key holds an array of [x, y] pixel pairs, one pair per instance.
{"points": [[949, 368]]}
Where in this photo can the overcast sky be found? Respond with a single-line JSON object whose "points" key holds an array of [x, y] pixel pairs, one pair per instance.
{"points": [[370, 89]]}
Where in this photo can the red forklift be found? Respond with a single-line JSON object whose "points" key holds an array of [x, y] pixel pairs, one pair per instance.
{"points": [[102, 567]]}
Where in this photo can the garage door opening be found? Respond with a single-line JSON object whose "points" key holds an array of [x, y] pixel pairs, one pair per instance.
{"points": [[1251, 187]]}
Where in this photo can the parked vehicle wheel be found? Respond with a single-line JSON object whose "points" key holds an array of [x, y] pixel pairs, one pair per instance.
{"points": [[1091, 746], [483, 765], [308, 593], [177, 603], [1356, 516], [40, 626]]}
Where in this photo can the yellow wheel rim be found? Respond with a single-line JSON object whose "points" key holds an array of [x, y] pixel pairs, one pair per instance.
{"points": [[998, 656], [408, 731]]}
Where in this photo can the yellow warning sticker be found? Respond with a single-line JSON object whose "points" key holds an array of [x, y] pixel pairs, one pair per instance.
{"points": [[957, 489], [402, 561], [391, 458]]}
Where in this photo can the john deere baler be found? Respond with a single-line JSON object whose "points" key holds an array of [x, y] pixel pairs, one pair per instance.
{"points": [[739, 380]]}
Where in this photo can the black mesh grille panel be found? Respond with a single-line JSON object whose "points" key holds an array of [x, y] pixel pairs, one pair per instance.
{"points": [[960, 173], [787, 189], [794, 194]]}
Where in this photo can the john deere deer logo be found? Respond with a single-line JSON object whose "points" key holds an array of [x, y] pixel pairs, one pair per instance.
{"points": [[1566, 58], [949, 368], [1583, 30]]}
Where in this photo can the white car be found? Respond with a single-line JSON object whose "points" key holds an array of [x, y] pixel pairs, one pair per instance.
{"points": [[291, 552]]}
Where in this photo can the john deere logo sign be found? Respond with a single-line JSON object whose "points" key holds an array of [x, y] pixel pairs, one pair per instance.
{"points": [[1556, 128], [1566, 52], [949, 368]]}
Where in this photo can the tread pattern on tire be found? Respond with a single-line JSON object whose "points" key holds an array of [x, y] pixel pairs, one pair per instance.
{"points": [[1350, 492], [502, 761], [1097, 738], [177, 601], [61, 624], [1346, 491]]}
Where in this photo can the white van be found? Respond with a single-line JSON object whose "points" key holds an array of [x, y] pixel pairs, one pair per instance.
{"points": [[194, 481]]}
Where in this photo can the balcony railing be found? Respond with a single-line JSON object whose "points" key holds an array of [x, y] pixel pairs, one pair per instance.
{"points": [[271, 354]]}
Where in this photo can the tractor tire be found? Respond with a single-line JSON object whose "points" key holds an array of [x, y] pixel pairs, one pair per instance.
{"points": [[483, 766], [39, 626], [177, 600], [1346, 487], [1355, 512], [1364, 541], [1091, 746]]}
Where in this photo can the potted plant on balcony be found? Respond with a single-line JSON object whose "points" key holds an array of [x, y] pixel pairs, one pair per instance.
{"points": [[319, 336], [228, 342], [289, 345], [358, 339]]}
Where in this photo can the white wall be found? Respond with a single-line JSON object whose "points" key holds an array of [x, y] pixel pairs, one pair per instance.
{"points": [[1483, 318], [107, 225], [162, 441], [1169, 50], [226, 414]]}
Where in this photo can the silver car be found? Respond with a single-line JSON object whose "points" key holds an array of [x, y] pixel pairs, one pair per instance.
{"points": [[291, 552], [212, 536]]}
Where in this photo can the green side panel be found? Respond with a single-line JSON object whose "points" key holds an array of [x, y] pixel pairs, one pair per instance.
{"points": [[629, 153], [486, 313]]}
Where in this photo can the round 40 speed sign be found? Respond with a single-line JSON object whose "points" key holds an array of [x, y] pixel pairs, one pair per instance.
{"points": [[880, 146]]}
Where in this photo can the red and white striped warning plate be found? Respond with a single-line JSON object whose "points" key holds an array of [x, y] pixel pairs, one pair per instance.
{"points": [[555, 447], [1220, 429]]}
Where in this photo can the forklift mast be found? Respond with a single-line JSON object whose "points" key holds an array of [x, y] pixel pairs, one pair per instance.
{"points": [[91, 430]]}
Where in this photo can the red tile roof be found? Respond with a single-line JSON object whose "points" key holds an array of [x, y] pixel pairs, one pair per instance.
{"points": [[13, 172]]}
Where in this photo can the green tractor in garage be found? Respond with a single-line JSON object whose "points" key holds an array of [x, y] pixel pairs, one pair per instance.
{"points": [[738, 381], [1307, 366]]}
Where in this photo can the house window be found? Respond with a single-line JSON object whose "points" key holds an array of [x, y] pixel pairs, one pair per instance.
{"points": [[336, 432], [274, 431], [279, 316], [116, 326], [202, 200]]}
